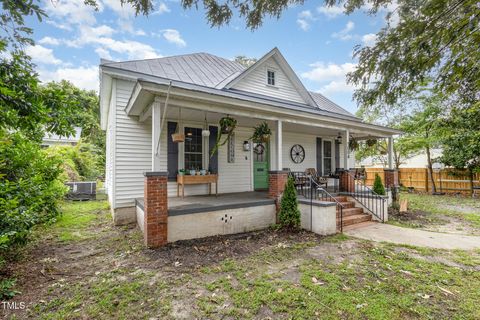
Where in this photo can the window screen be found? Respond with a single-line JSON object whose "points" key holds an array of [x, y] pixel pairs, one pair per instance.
{"points": [[327, 157]]}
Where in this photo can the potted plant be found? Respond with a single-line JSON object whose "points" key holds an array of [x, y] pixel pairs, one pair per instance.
{"points": [[181, 172], [353, 144], [177, 136], [371, 142], [227, 125], [261, 133]]}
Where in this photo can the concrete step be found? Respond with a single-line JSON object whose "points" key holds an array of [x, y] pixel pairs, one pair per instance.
{"points": [[354, 219]]}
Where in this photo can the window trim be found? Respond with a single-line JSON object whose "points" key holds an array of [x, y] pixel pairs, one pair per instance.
{"points": [[181, 151], [332, 156], [274, 85]]}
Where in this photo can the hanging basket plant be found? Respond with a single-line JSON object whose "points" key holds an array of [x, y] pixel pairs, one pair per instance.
{"points": [[261, 133], [371, 142], [227, 126], [178, 137], [353, 144]]}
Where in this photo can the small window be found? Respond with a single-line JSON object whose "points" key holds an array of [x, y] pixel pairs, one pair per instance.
{"points": [[271, 77]]}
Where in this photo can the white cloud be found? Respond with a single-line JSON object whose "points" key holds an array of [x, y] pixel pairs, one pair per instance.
{"points": [[331, 77], [162, 8], [103, 53], [42, 55], [82, 77], [304, 19], [173, 36], [330, 12], [344, 34], [50, 41], [71, 11], [369, 39], [124, 10]]}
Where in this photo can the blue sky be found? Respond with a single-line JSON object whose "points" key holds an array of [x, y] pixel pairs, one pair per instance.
{"points": [[317, 42]]}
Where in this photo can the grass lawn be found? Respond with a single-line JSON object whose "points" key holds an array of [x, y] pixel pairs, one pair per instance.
{"points": [[84, 268], [439, 213]]}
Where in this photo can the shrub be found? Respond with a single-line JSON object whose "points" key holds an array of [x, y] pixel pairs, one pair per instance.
{"points": [[378, 187], [29, 187], [289, 212]]}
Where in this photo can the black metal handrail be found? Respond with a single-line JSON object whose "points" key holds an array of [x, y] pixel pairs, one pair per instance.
{"points": [[310, 189], [370, 200]]}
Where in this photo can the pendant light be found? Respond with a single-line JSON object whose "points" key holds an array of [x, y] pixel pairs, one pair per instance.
{"points": [[205, 131]]}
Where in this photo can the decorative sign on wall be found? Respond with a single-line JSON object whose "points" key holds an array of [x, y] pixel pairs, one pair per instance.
{"points": [[297, 153], [231, 148]]}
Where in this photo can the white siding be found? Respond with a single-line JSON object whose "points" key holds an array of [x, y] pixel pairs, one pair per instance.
{"points": [[256, 82], [132, 150], [110, 151]]}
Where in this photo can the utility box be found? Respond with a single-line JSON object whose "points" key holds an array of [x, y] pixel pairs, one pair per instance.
{"points": [[82, 190]]}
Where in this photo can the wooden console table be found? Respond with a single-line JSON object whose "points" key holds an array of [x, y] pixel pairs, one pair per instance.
{"points": [[209, 178]]}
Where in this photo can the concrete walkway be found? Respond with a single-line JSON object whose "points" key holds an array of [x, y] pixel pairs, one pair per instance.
{"points": [[388, 233]]}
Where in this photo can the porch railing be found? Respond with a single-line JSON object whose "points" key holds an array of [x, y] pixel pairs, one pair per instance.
{"points": [[369, 199], [307, 187]]}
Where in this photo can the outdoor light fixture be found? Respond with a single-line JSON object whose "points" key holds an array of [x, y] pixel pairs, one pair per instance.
{"points": [[205, 131], [246, 146]]}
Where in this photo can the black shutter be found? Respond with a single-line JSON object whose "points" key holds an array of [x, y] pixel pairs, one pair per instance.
{"points": [[172, 151], [213, 164], [337, 155], [319, 156]]}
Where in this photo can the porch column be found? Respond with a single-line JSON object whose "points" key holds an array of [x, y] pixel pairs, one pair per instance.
{"points": [[156, 131], [279, 145], [346, 142], [155, 217], [390, 153]]}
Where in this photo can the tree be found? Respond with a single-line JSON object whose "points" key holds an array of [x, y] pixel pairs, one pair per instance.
{"points": [[289, 213], [245, 61], [423, 129], [378, 187], [461, 140]]}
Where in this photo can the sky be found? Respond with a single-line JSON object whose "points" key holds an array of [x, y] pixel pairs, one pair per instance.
{"points": [[318, 42]]}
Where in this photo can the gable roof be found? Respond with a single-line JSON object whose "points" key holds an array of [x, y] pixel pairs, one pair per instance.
{"points": [[282, 62], [208, 70]]}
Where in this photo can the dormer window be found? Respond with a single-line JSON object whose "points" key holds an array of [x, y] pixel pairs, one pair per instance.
{"points": [[270, 77]]}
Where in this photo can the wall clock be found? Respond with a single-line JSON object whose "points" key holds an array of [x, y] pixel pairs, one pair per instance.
{"points": [[297, 153]]}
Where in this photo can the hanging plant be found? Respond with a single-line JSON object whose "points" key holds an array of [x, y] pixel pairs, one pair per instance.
{"points": [[261, 133], [371, 142], [227, 126], [353, 144], [177, 136]]}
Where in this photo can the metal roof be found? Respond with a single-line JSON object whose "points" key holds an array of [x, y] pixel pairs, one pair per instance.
{"points": [[206, 70]]}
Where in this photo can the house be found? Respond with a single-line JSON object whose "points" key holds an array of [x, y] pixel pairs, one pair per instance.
{"points": [[146, 103], [51, 139], [418, 160]]}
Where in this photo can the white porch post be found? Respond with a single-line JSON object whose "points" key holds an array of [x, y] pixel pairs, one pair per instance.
{"points": [[279, 145], [390, 152], [346, 142], [156, 131]]}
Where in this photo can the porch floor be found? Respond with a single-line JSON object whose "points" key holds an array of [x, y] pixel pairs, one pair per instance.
{"points": [[225, 201]]}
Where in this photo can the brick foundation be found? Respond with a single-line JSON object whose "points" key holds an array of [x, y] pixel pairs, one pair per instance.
{"points": [[347, 181], [391, 178], [155, 209]]}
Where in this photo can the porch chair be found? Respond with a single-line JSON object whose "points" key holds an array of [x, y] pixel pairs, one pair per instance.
{"points": [[321, 181]]}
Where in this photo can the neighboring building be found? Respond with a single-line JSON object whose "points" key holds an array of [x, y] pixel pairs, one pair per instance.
{"points": [[416, 161], [144, 102], [51, 139]]}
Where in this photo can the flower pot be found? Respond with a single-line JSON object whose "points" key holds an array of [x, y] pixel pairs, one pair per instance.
{"points": [[203, 172], [181, 173], [192, 172], [178, 137], [226, 130], [264, 137]]}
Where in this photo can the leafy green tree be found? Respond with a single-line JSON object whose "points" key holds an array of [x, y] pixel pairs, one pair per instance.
{"points": [[289, 213], [461, 140], [378, 187], [245, 61]]}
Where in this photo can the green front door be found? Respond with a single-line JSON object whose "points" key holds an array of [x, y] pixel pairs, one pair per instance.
{"points": [[260, 166]]}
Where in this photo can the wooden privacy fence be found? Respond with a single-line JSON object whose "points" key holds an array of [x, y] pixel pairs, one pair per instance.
{"points": [[447, 180]]}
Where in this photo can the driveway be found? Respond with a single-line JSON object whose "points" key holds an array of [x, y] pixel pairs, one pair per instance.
{"points": [[384, 232]]}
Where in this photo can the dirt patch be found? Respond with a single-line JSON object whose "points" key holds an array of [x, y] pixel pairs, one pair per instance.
{"points": [[463, 208]]}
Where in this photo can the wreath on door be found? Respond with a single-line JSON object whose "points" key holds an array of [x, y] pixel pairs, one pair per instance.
{"points": [[297, 153], [259, 149]]}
